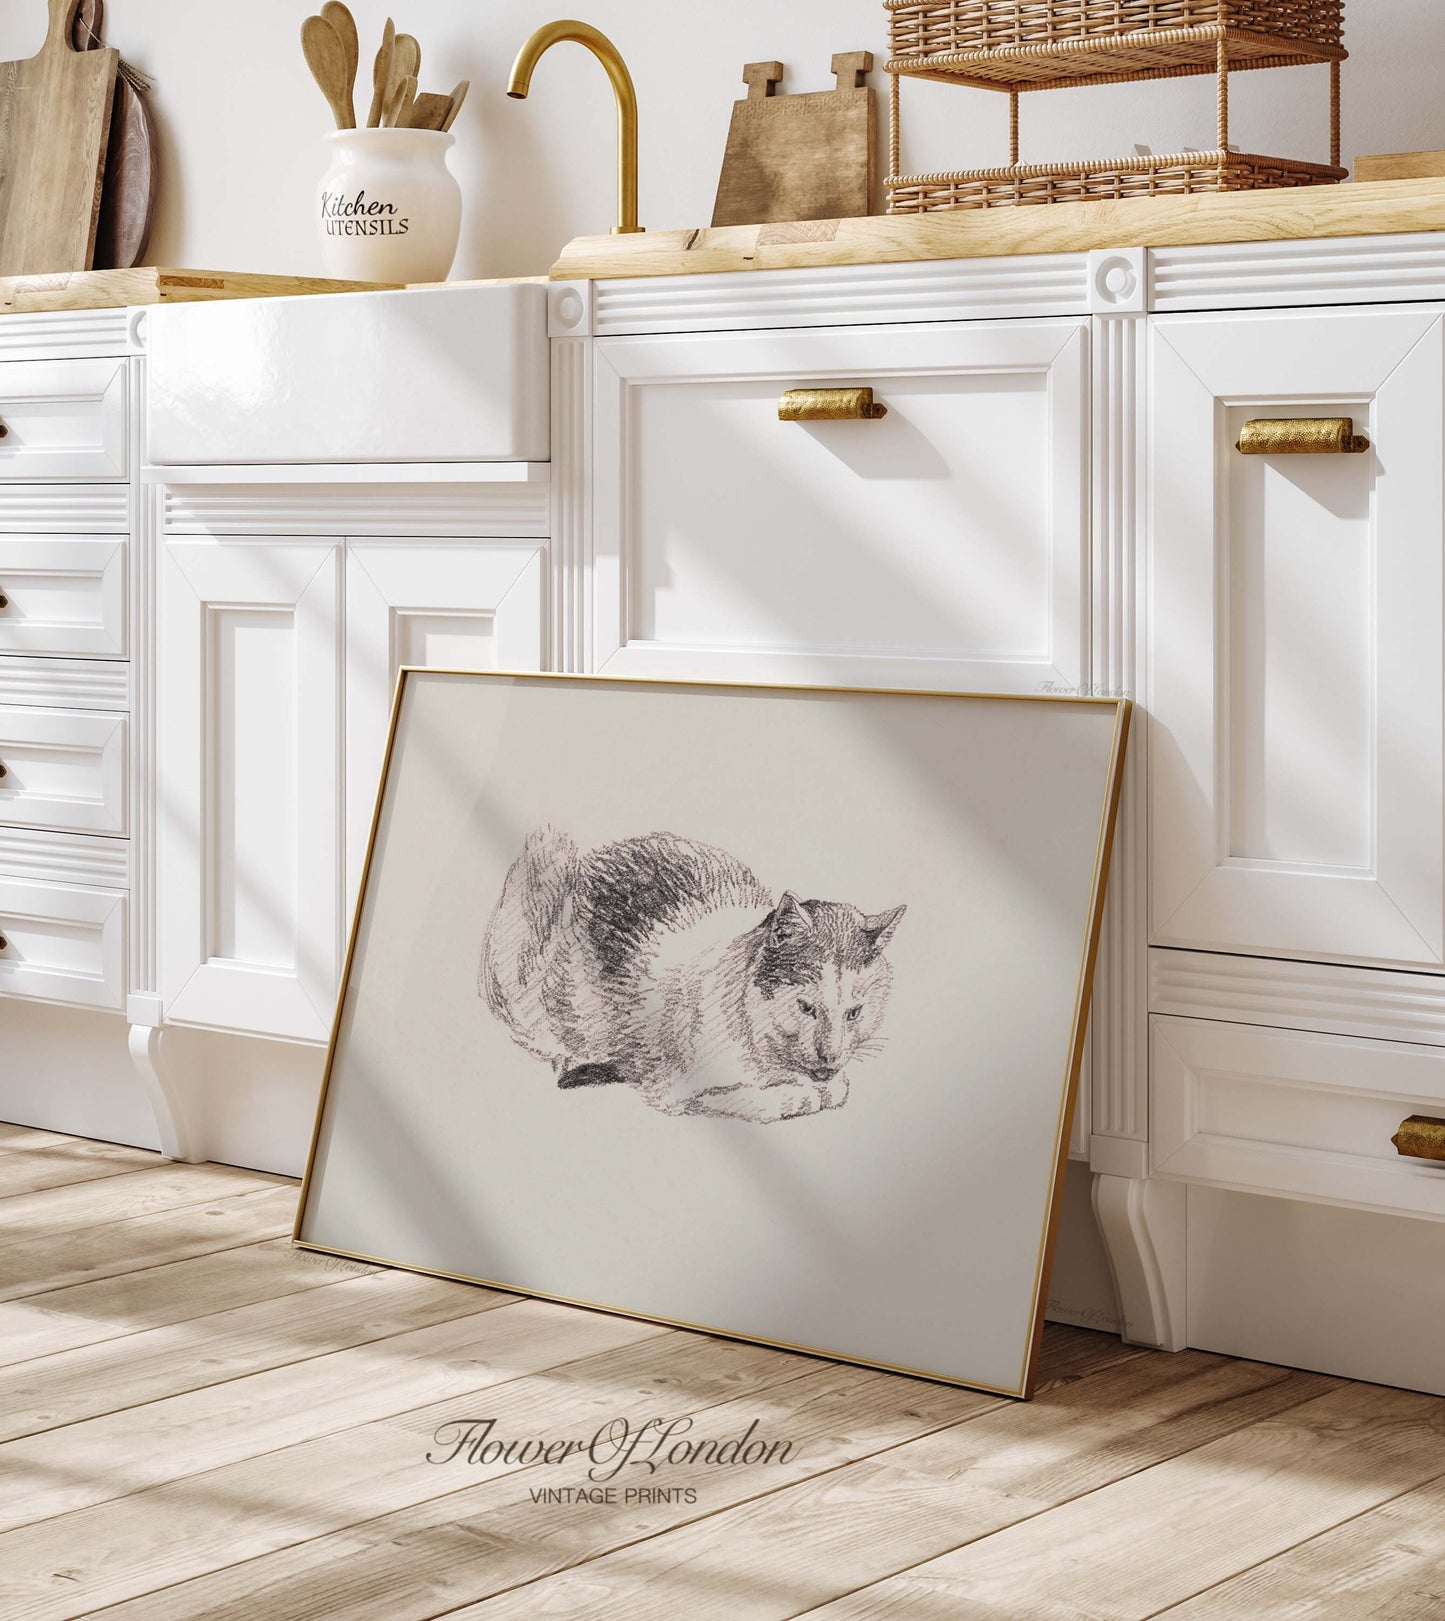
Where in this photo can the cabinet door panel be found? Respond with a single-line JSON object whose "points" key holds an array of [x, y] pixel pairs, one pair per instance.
{"points": [[1296, 659], [941, 545], [63, 595], [249, 790], [467, 606]]}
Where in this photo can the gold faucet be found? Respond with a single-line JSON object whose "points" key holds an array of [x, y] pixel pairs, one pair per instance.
{"points": [[607, 54]]}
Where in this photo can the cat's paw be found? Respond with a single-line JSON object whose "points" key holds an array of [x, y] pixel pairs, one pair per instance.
{"points": [[835, 1093]]}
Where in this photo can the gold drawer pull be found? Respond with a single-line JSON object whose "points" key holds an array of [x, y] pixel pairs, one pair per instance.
{"points": [[4, 602], [4, 431], [4, 943], [830, 405], [1421, 1137], [1302, 436]]}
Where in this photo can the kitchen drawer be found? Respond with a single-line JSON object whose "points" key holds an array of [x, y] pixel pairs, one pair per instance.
{"points": [[1285, 1112], [63, 943], [62, 596], [943, 544], [63, 419], [64, 769], [441, 375]]}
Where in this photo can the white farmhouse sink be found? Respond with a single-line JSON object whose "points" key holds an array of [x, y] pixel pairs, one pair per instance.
{"points": [[436, 375]]}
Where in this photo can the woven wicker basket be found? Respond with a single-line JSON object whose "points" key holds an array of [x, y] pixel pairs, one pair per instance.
{"points": [[1020, 45]]}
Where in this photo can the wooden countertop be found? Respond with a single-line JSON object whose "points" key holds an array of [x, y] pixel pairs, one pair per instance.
{"points": [[1382, 208], [117, 289]]}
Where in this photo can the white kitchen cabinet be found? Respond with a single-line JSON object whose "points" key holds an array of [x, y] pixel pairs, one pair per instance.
{"points": [[469, 605], [1297, 662], [942, 545], [250, 801]]}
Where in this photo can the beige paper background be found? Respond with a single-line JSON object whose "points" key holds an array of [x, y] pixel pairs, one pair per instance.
{"points": [[904, 1228]]}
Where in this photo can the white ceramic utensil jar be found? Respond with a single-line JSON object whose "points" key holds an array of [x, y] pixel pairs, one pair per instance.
{"points": [[389, 208]]}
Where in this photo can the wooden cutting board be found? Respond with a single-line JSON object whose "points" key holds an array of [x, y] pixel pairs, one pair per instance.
{"points": [[55, 113], [809, 157]]}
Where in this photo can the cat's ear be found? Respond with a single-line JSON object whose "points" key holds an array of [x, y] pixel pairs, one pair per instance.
{"points": [[789, 920], [878, 931]]}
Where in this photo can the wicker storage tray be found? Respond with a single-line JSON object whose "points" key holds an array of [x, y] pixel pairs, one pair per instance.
{"points": [[1177, 175], [1051, 44]]}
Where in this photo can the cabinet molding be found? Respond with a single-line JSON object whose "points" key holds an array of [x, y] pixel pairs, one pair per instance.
{"points": [[860, 295], [1297, 661], [250, 785], [372, 505], [1327, 997], [48, 683]]}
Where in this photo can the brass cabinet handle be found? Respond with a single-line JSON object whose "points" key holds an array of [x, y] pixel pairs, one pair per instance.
{"points": [[4, 943], [830, 405], [3, 770], [1421, 1137], [1302, 436], [4, 431], [4, 602]]}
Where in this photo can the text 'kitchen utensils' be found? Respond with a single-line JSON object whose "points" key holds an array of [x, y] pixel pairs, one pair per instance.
{"points": [[332, 47]]}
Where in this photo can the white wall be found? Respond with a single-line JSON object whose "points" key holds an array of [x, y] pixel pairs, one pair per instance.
{"points": [[242, 120]]}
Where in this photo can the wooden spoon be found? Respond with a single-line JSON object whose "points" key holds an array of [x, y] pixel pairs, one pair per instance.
{"points": [[459, 95], [381, 76], [344, 23], [326, 57], [406, 62]]}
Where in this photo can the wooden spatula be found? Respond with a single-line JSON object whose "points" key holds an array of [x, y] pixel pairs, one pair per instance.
{"points": [[429, 111], [344, 23], [405, 60], [326, 57], [458, 96], [55, 112], [381, 76]]}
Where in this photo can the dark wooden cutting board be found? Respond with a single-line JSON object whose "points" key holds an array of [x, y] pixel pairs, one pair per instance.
{"points": [[132, 165], [55, 112]]}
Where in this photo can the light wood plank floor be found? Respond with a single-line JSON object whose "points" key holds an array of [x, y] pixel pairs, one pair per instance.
{"points": [[197, 1420]]}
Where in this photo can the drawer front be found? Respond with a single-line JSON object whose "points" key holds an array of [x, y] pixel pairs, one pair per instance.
{"points": [[1282, 1111], [941, 545], [62, 943], [62, 596], [451, 374], [63, 419], [63, 769]]}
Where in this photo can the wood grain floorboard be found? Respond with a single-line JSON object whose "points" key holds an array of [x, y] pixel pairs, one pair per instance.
{"points": [[1385, 1565], [79, 1161], [199, 1421], [57, 1260], [17, 1139], [67, 1319], [1202, 1518], [121, 1198], [158, 1363]]}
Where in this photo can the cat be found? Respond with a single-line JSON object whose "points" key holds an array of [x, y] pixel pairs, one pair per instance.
{"points": [[663, 964]]}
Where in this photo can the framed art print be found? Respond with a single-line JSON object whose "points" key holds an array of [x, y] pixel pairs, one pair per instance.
{"points": [[758, 1010]]}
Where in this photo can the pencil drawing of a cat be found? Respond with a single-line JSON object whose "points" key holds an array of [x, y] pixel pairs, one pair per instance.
{"points": [[663, 964]]}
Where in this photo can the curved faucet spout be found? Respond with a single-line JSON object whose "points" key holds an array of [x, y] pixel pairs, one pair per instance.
{"points": [[607, 54]]}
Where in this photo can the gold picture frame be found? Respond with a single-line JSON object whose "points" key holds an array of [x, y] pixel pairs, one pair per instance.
{"points": [[1121, 709]]}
